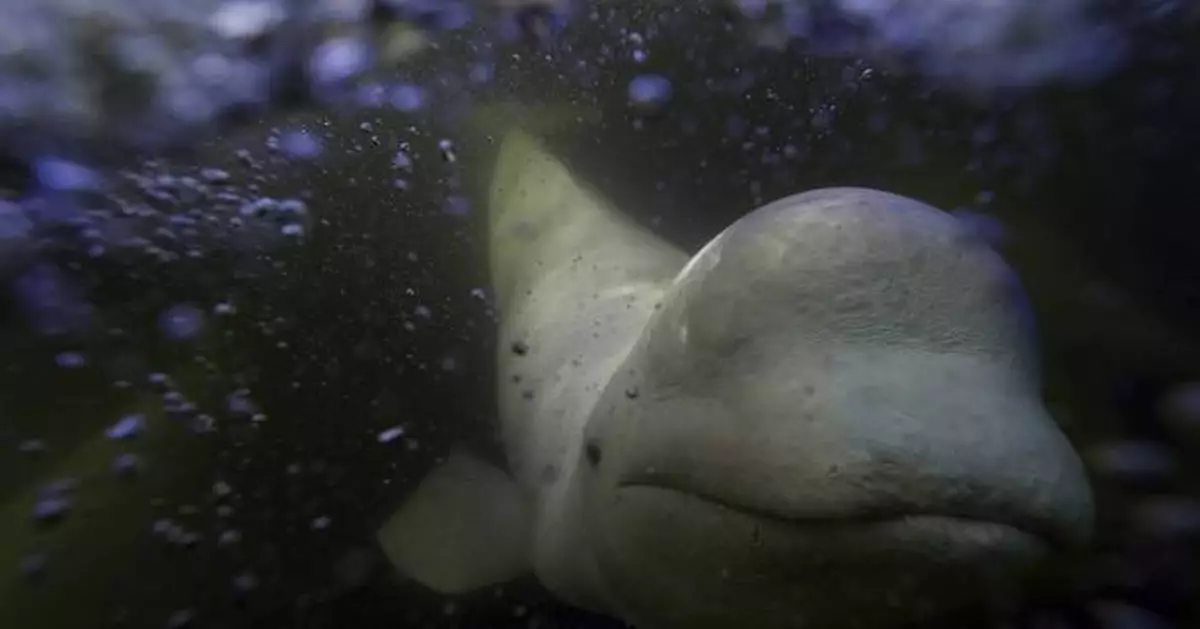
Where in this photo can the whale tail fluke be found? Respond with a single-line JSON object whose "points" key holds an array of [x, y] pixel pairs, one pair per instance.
{"points": [[465, 527]]}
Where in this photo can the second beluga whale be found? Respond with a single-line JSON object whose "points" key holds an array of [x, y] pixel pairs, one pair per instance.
{"points": [[829, 417]]}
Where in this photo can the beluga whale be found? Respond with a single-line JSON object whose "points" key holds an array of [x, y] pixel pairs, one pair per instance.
{"points": [[829, 417]]}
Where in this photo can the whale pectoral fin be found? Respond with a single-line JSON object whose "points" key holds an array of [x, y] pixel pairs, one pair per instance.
{"points": [[466, 526]]}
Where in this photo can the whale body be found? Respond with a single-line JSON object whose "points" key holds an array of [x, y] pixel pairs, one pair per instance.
{"points": [[828, 417]]}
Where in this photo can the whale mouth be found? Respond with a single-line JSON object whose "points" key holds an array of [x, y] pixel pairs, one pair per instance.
{"points": [[961, 527]]}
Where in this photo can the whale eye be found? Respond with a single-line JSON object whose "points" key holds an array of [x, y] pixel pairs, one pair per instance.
{"points": [[592, 452]]}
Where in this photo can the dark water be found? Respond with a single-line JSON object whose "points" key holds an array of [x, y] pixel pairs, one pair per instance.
{"points": [[373, 313]]}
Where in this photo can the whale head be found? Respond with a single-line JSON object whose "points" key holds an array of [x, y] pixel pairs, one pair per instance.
{"points": [[832, 420]]}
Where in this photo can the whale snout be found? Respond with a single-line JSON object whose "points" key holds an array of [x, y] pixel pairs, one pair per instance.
{"points": [[837, 423], [936, 490]]}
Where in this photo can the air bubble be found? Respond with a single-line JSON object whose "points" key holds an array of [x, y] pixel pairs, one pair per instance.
{"points": [[70, 360], [243, 20], [447, 149], [33, 564], [51, 508], [32, 446], [649, 91], [245, 582], [126, 427], [126, 464], [181, 619], [337, 61], [215, 175], [181, 322], [300, 145], [391, 434], [407, 97], [62, 175], [456, 205]]}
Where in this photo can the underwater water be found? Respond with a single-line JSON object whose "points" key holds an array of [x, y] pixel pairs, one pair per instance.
{"points": [[247, 302]]}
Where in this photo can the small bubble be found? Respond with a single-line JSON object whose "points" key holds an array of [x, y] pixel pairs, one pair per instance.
{"points": [[14, 224], [447, 149], [32, 446], [126, 465], [59, 487], [214, 175], [160, 380], [457, 205], [987, 228], [70, 360], [1120, 615], [181, 618], [237, 403], [245, 582], [51, 508], [337, 61], [181, 322], [407, 97], [321, 523], [752, 9], [53, 305], [33, 564], [162, 527], [126, 427], [391, 434], [204, 424], [300, 145], [63, 175], [1134, 461], [245, 19], [649, 90], [480, 73], [293, 206]]}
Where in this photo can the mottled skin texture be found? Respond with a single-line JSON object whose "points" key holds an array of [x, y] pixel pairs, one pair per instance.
{"points": [[829, 417]]}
